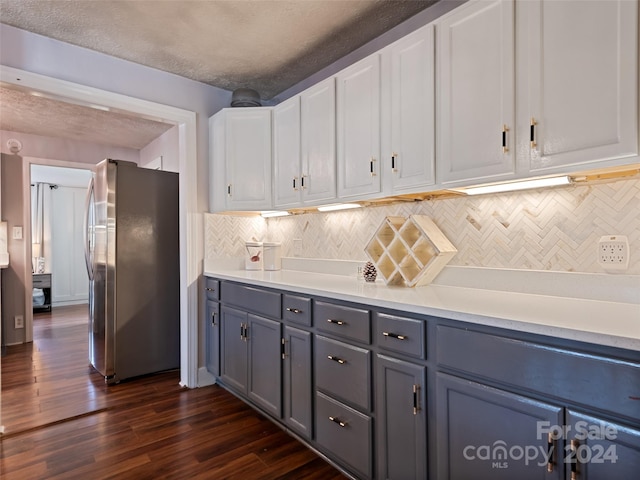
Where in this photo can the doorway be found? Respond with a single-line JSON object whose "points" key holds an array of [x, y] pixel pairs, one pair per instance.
{"points": [[191, 248], [58, 197]]}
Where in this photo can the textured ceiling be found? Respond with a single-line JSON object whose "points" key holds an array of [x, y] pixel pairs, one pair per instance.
{"points": [[266, 45], [25, 113]]}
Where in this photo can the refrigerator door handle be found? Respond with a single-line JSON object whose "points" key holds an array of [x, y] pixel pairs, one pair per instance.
{"points": [[86, 226]]}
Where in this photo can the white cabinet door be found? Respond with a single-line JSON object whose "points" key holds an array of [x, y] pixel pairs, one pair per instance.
{"points": [[248, 158], [579, 61], [318, 137], [358, 106], [476, 77], [411, 159], [286, 153]]}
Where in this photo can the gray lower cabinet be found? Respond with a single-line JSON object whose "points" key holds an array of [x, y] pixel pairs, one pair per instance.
{"points": [[402, 419], [481, 403], [597, 449], [251, 356], [487, 433], [213, 337], [234, 361], [298, 388], [263, 337], [344, 433]]}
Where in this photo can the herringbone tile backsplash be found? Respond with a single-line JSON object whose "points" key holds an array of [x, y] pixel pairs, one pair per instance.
{"points": [[555, 229]]}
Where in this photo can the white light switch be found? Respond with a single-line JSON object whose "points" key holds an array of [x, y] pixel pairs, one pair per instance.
{"points": [[17, 233]]}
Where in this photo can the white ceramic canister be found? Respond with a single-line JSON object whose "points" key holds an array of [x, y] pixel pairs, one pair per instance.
{"points": [[272, 255], [253, 256]]}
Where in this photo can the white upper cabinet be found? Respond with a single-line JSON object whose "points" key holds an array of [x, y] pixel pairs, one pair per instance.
{"points": [[476, 81], [318, 136], [358, 125], [304, 149], [577, 64], [409, 155], [286, 153], [241, 140]]}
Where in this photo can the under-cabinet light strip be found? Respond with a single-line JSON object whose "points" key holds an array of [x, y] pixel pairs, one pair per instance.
{"points": [[518, 185], [338, 206], [274, 213]]}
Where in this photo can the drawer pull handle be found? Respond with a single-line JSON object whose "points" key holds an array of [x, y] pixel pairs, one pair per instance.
{"points": [[505, 129], [338, 421], [416, 401], [532, 133], [551, 450], [394, 335], [573, 459], [336, 359], [336, 322], [293, 310], [209, 289], [213, 318]]}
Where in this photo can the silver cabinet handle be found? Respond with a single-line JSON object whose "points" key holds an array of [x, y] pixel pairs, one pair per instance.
{"points": [[293, 310], [338, 421], [336, 359], [335, 322], [394, 335]]}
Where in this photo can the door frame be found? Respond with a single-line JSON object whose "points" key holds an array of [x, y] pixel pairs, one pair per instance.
{"points": [[190, 224]]}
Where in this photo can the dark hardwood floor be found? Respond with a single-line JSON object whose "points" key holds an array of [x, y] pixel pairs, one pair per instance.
{"points": [[62, 421]]}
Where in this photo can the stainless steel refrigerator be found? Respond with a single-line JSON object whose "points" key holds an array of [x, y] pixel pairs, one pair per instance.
{"points": [[132, 254]]}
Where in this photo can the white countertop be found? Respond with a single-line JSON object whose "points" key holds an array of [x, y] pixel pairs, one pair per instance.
{"points": [[603, 322]]}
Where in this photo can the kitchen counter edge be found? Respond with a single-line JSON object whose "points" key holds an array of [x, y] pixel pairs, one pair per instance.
{"points": [[611, 324]]}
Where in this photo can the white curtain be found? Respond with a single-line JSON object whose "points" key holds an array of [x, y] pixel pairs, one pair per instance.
{"points": [[41, 225]]}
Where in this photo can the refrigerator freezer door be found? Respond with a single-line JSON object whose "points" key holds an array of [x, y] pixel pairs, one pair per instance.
{"points": [[101, 356]]}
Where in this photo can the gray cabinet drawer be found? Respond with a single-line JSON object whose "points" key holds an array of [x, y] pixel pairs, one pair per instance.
{"points": [[212, 289], [347, 322], [252, 299], [296, 309], [599, 382], [343, 371], [42, 280], [345, 433], [398, 334]]}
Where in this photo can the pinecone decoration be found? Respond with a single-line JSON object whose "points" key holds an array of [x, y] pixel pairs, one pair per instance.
{"points": [[369, 272]]}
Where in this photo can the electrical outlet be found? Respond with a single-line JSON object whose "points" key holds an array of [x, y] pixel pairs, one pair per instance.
{"points": [[613, 252], [18, 321], [297, 247]]}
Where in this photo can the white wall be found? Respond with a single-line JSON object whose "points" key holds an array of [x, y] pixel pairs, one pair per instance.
{"points": [[165, 146], [64, 149], [45, 56]]}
